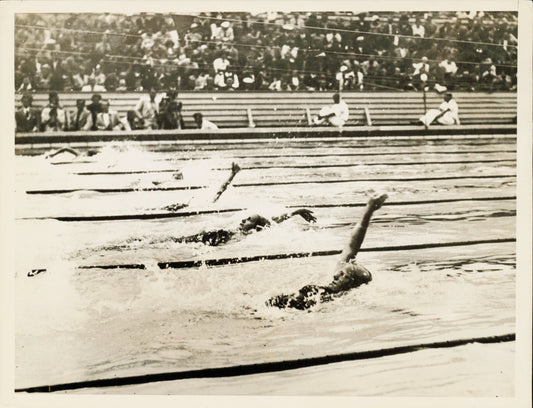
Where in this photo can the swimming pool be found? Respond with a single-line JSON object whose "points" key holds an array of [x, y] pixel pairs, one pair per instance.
{"points": [[77, 324]]}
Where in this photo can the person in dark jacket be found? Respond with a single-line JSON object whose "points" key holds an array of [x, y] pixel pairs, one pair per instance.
{"points": [[27, 118]]}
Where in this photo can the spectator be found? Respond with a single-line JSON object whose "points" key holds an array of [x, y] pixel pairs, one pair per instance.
{"points": [[108, 119], [224, 32], [42, 79], [27, 118], [201, 81], [92, 86], [26, 85], [221, 63], [81, 78], [81, 118], [489, 77], [448, 70], [418, 28], [95, 107], [447, 114], [420, 68], [170, 116], [346, 76], [122, 85], [147, 109], [53, 116], [202, 123]]}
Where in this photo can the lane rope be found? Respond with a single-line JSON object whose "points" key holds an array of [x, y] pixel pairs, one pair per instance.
{"points": [[151, 216], [274, 183], [196, 263], [297, 166], [267, 367]]}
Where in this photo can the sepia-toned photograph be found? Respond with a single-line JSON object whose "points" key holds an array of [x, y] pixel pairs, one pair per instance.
{"points": [[266, 202]]}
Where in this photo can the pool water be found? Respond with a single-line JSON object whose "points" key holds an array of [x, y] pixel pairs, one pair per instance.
{"points": [[76, 324]]}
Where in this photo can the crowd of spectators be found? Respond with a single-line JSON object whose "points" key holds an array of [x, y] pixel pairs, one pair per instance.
{"points": [[270, 51]]}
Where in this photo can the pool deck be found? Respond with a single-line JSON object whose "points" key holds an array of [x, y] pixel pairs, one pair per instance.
{"points": [[258, 133]]}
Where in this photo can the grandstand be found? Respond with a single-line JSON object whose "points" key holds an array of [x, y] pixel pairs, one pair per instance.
{"points": [[274, 51]]}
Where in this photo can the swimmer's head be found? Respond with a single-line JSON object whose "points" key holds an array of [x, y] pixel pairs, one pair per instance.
{"points": [[350, 276], [336, 98], [253, 222]]}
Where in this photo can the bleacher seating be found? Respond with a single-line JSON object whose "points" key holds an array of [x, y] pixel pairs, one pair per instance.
{"points": [[284, 109]]}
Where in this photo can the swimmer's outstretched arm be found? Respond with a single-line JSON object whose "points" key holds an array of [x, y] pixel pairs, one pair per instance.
{"points": [[302, 212], [358, 233], [234, 170], [63, 149]]}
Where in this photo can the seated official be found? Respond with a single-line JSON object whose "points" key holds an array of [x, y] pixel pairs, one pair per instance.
{"points": [[202, 123], [447, 114], [335, 115], [169, 116], [27, 118], [53, 116], [95, 107], [147, 109], [81, 118], [109, 119]]}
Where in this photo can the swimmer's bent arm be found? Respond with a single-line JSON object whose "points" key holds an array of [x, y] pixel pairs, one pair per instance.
{"points": [[302, 212]]}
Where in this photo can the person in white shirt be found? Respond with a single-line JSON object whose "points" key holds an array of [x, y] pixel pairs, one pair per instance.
{"points": [[447, 114], [336, 114], [418, 28], [53, 116], [147, 109], [221, 63], [109, 119], [224, 32], [202, 123], [92, 86]]}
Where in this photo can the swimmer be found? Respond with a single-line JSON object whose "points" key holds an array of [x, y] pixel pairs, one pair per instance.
{"points": [[248, 225], [68, 152], [234, 170], [348, 273]]}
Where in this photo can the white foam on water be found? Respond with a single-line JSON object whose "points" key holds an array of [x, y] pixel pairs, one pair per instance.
{"points": [[49, 302]]}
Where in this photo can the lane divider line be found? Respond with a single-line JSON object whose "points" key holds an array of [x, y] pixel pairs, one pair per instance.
{"points": [[196, 263], [267, 367], [151, 216], [275, 183], [296, 166]]}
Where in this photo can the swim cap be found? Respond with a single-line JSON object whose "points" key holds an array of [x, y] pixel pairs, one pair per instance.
{"points": [[350, 276]]}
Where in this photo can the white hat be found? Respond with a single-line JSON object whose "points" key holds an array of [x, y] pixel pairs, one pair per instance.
{"points": [[225, 24], [194, 25], [439, 88], [360, 38], [248, 80], [289, 27], [343, 68]]}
